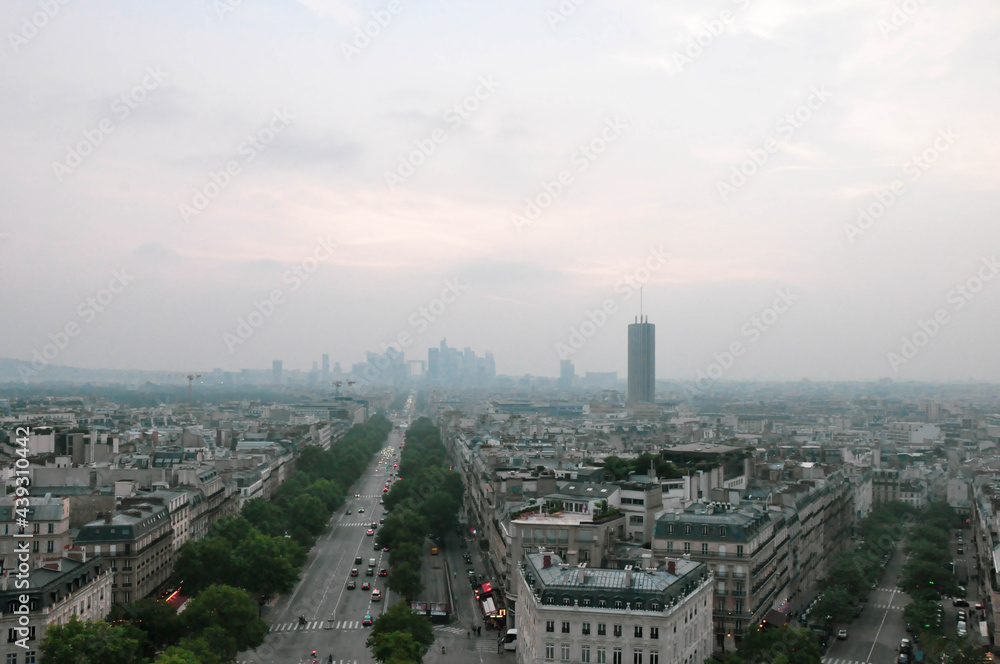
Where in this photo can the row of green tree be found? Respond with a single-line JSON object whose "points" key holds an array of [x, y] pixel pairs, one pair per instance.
{"points": [[928, 573], [424, 502], [852, 573], [216, 625], [222, 570]]}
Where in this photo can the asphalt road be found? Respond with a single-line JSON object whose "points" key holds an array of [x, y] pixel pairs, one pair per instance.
{"points": [[874, 636], [333, 613]]}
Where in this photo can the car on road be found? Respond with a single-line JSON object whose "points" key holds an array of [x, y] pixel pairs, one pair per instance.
{"points": [[979, 607], [962, 630], [383, 572], [367, 620], [905, 646], [369, 532], [366, 586], [357, 560], [361, 510], [904, 658], [376, 546], [960, 602], [348, 511], [370, 571], [376, 596], [351, 585], [374, 524], [842, 634], [354, 572], [961, 550], [385, 490], [385, 549], [961, 615]]}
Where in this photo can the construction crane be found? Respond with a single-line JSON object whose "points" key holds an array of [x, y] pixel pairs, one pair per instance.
{"points": [[191, 378]]}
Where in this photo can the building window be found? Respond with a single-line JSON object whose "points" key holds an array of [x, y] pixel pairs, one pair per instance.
{"points": [[602, 602], [50, 546], [602, 655], [739, 550], [618, 630], [687, 547], [52, 528], [670, 529], [670, 546], [585, 629], [654, 657], [602, 629], [550, 651], [704, 549], [585, 654], [567, 600], [616, 656], [637, 656], [11, 658], [722, 533], [654, 633], [619, 604], [704, 531], [564, 652], [565, 627], [585, 601], [688, 529], [29, 657], [637, 631], [638, 605], [550, 625]]}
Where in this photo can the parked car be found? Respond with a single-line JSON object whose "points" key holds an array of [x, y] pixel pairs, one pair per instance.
{"points": [[842, 634], [960, 602]]}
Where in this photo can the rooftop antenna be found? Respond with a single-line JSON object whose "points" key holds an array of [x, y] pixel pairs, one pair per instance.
{"points": [[641, 319]]}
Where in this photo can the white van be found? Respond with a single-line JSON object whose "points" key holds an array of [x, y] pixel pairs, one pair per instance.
{"points": [[371, 562]]}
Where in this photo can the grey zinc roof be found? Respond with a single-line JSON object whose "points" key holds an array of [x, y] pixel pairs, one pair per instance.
{"points": [[556, 577]]}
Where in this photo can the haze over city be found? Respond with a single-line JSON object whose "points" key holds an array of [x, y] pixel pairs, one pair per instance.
{"points": [[817, 182]]}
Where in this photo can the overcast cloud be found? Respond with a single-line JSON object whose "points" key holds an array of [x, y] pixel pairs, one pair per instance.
{"points": [[225, 143]]}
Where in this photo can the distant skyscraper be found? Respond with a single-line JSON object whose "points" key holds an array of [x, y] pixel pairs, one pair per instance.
{"points": [[276, 372], [326, 365], [566, 374], [641, 361]]}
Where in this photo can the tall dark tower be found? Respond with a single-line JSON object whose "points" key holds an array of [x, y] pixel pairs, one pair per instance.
{"points": [[641, 361]]}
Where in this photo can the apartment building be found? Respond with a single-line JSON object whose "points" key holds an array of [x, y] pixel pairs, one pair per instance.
{"points": [[885, 486], [55, 593], [603, 616], [48, 528], [746, 549], [138, 545]]}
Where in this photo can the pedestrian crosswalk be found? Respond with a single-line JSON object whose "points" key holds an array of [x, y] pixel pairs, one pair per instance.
{"points": [[485, 645], [315, 624], [887, 606], [888, 590], [832, 660], [365, 524], [452, 630]]}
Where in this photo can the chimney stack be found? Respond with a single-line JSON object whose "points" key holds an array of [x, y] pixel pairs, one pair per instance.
{"points": [[672, 566], [546, 561], [628, 576], [581, 572]]}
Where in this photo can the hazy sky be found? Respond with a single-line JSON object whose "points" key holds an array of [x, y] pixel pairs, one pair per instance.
{"points": [[392, 168]]}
